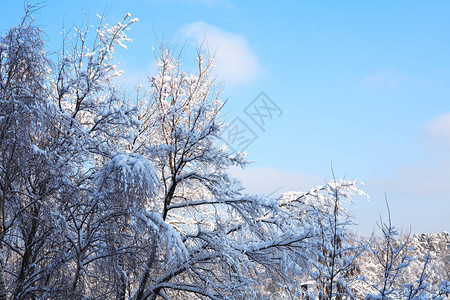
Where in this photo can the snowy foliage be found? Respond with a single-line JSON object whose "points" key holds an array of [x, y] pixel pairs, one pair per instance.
{"points": [[107, 197]]}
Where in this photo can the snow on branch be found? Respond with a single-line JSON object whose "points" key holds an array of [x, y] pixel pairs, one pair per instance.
{"points": [[131, 170], [175, 246]]}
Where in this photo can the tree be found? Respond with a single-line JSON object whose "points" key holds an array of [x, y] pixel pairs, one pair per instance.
{"points": [[107, 197], [200, 214], [55, 137], [28, 179], [400, 267], [102, 220], [332, 251]]}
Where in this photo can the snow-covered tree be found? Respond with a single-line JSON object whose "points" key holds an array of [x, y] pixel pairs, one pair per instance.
{"points": [[107, 197], [210, 234], [28, 177], [57, 135], [332, 250], [401, 267]]}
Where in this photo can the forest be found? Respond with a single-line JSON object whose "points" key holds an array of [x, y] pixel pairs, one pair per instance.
{"points": [[114, 194]]}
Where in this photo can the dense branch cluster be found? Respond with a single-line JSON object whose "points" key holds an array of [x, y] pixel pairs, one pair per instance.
{"points": [[107, 197]]}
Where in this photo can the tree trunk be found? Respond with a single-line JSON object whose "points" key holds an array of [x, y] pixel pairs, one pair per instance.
{"points": [[2, 284]]}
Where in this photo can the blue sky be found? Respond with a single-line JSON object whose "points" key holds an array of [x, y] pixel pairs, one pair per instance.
{"points": [[363, 86]]}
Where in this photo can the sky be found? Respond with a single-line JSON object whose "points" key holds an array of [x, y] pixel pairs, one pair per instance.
{"points": [[357, 88]]}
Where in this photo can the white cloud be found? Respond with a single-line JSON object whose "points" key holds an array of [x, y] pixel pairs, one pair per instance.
{"points": [[418, 191], [235, 62], [386, 79], [265, 180], [437, 132]]}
